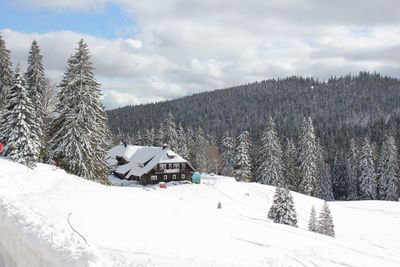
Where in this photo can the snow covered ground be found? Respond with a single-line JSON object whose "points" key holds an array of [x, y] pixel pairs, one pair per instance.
{"points": [[179, 226]]}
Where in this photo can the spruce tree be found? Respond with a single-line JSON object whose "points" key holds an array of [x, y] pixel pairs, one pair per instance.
{"points": [[352, 171], [367, 176], [159, 135], [17, 124], [80, 132], [324, 179], [228, 155], [339, 176], [307, 158], [243, 160], [170, 135], [36, 85], [197, 149], [325, 222], [6, 76], [282, 209], [270, 170], [148, 138], [291, 166], [139, 139], [182, 146], [388, 171], [191, 145], [312, 221]]}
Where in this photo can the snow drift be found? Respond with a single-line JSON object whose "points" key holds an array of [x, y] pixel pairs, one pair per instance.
{"points": [[180, 225]]}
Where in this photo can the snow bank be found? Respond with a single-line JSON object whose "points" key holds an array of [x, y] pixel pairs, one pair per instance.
{"points": [[180, 225], [29, 237]]}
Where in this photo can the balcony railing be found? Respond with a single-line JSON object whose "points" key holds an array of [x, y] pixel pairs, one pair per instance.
{"points": [[169, 170]]}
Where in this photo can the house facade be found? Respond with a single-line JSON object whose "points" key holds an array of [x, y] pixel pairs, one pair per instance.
{"points": [[149, 165]]}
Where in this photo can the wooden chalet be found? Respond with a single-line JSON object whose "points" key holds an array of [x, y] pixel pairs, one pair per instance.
{"points": [[149, 165]]}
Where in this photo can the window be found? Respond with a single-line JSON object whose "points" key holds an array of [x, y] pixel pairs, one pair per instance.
{"points": [[165, 177], [183, 176], [183, 166], [174, 176], [176, 165], [169, 166], [154, 178], [163, 166]]}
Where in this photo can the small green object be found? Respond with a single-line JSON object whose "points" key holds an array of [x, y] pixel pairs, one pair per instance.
{"points": [[196, 178]]}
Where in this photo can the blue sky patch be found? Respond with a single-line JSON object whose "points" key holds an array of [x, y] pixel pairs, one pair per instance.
{"points": [[108, 22]]}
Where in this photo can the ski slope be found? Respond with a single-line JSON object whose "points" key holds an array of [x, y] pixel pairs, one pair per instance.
{"points": [[179, 226]]}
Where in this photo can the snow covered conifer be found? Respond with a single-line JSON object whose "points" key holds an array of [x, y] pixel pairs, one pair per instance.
{"points": [[282, 209], [139, 140], [170, 135], [6, 76], [228, 155], [197, 145], [324, 179], [339, 176], [325, 222], [182, 144], [190, 144], [148, 138], [16, 123], [367, 176], [352, 171], [80, 131], [388, 171], [307, 158], [291, 166], [36, 85], [159, 135], [312, 221], [243, 160], [270, 169]]}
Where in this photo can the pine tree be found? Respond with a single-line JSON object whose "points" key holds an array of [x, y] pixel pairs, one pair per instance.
{"points": [[243, 160], [339, 176], [282, 209], [270, 170], [352, 171], [182, 146], [197, 149], [324, 179], [148, 138], [17, 123], [170, 135], [325, 222], [291, 166], [312, 222], [367, 176], [190, 144], [36, 85], [228, 155], [138, 139], [307, 158], [388, 171], [80, 131], [159, 135], [6, 76]]}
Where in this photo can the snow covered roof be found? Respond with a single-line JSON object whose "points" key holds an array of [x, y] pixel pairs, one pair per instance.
{"points": [[141, 159]]}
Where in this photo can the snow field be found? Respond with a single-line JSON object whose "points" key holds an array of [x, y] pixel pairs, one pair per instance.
{"points": [[181, 225]]}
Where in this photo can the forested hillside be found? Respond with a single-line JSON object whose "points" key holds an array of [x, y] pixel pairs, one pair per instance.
{"points": [[341, 108]]}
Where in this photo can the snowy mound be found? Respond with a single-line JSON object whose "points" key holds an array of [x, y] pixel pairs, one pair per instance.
{"points": [[180, 225]]}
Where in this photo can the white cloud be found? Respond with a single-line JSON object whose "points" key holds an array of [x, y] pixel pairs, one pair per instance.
{"points": [[184, 46]]}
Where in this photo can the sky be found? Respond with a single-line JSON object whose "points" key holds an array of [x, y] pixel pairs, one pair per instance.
{"points": [[154, 50]]}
